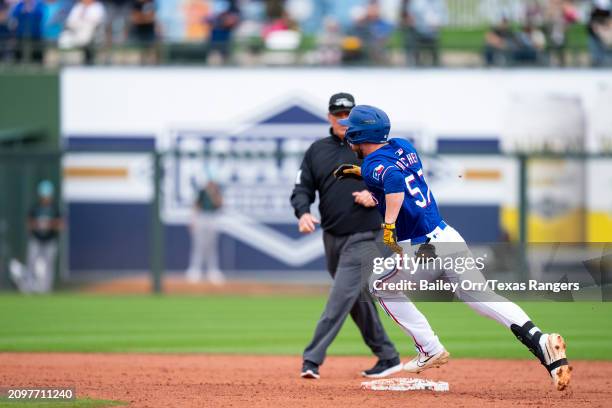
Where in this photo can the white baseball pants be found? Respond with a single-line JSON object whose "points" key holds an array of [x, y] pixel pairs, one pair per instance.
{"points": [[399, 307]]}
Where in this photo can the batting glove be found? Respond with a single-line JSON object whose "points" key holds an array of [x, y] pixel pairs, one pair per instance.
{"points": [[390, 238], [348, 171]]}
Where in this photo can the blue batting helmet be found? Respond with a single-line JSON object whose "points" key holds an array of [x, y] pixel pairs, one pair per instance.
{"points": [[366, 124]]}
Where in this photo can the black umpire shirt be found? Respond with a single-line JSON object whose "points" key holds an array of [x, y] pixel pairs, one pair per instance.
{"points": [[340, 215]]}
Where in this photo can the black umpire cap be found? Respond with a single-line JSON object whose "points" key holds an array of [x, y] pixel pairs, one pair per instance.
{"points": [[341, 102]]}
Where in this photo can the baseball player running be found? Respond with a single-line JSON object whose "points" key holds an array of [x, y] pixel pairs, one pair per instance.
{"points": [[393, 173]]}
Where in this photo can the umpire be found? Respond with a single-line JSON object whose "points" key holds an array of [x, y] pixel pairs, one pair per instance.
{"points": [[350, 225]]}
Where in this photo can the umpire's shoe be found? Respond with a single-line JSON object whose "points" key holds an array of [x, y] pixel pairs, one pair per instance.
{"points": [[384, 368], [310, 370]]}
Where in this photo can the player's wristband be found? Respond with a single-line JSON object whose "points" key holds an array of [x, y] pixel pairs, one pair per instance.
{"points": [[386, 226]]}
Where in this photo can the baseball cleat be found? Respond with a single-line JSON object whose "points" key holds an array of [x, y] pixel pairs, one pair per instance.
{"points": [[216, 277], [553, 350], [193, 275], [384, 368], [422, 361], [310, 370]]}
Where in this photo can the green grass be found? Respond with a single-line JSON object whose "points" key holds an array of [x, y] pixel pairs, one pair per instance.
{"points": [[469, 39], [472, 39], [78, 403], [267, 325]]}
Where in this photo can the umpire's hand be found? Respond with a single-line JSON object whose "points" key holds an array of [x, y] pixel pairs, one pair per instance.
{"points": [[307, 222], [364, 198]]}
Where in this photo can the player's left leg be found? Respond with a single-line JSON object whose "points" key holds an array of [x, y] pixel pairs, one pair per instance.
{"points": [[196, 258], [548, 348], [430, 351], [45, 266], [34, 254], [210, 249]]}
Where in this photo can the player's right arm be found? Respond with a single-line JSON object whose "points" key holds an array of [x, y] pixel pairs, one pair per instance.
{"points": [[303, 195], [393, 205], [387, 177]]}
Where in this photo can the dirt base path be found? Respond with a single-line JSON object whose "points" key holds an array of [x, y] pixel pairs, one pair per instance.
{"points": [[150, 380], [177, 285]]}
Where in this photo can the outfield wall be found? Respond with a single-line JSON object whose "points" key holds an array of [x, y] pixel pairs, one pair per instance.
{"points": [[235, 112]]}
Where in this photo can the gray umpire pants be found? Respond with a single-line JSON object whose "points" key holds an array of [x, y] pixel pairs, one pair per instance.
{"points": [[345, 263]]}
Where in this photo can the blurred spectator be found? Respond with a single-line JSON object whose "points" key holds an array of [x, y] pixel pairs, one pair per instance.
{"points": [[496, 10], [374, 33], [117, 20], [194, 13], [312, 14], [44, 225], [278, 23], [4, 29], [275, 8], [500, 43], [600, 33], [329, 43], [56, 12], [222, 25], [82, 28], [27, 26], [560, 14], [205, 235], [281, 33], [534, 13], [505, 47], [530, 45], [144, 30], [422, 20], [253, 17], [352, 50]]}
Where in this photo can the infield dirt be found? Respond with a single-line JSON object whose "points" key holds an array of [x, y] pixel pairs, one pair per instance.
{"points": [[198, 380]]}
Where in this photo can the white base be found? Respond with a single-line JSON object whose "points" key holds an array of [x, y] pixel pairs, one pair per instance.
{"points": [[405, 384]]}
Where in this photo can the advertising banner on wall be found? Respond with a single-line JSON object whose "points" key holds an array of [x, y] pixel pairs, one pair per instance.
{"points": [[247, 131]]}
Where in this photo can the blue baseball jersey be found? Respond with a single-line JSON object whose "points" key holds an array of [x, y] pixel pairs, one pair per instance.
{"points": [[395, 168]]}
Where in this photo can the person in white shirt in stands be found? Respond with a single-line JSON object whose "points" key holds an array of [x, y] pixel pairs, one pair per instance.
{"points": [[83, 25]]}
